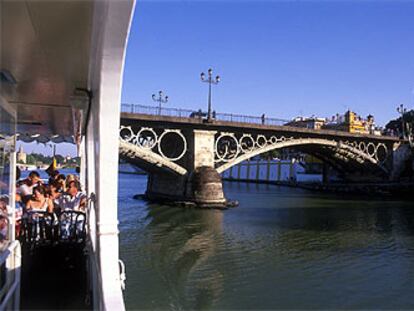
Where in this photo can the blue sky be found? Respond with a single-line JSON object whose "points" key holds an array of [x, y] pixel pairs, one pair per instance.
{"points": [[284, 58]]}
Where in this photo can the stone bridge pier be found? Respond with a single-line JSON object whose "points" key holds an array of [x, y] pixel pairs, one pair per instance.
{"points": [[193, 178]]}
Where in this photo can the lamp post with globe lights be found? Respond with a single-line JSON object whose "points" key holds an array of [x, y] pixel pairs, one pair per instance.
{"points": [[402, 111], [161, 99], [210, 80]]}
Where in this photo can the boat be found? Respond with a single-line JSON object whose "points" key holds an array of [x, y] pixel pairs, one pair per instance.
{"points": [[60, 81]]}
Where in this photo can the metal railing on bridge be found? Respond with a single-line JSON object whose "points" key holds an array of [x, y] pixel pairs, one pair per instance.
{"points": [[230, 117], [156, 111], [187, 113]]}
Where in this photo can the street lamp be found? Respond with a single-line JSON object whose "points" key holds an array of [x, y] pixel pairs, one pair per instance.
{"points": [[402, 111], [210, 81], [161, 99]]}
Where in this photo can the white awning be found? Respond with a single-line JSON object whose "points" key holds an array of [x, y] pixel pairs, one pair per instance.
{"points": [[28, 138]]}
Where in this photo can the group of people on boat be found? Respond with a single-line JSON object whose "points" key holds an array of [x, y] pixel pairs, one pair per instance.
{"points": [[33, 195], [61, 193]]}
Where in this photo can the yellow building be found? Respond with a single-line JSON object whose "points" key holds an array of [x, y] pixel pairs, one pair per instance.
{"points": [[351, 123], [21, 156], [355, 124]]}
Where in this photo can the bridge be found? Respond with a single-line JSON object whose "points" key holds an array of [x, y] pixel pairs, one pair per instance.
{"points": [[184, 154]]}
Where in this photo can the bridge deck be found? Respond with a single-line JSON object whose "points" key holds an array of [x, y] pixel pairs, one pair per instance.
{"points": [[197, 123]]}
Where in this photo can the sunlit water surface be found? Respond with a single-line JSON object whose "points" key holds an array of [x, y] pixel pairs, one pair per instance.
{"points": [[282, 248]]}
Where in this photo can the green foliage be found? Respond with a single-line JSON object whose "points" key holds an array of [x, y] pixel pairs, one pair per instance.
{"points": [[396, 124], [34, 158], [30, 159]]}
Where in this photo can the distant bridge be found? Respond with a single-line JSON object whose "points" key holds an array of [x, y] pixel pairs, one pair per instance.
{"points": [[176, 145]]}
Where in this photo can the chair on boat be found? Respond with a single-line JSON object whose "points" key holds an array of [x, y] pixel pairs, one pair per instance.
{"points": [[72, 226], [38, 228]]}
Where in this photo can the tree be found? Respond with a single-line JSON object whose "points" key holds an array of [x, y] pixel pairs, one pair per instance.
{"points": [[30, 159], [396, 124]]}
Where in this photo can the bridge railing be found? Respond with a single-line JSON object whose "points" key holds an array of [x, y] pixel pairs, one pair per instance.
{"points": [[156, 111], [230, 117], [187, 113]]}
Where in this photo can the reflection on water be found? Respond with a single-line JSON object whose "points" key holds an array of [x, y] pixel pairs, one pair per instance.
{"points": [[182, 243], [282, 248]]}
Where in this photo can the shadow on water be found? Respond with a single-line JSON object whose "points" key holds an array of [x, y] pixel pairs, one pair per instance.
{"points": [[281, 248], [183, 242]]}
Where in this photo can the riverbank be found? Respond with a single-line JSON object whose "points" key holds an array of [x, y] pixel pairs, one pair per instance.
{"points": [[402, 190]]}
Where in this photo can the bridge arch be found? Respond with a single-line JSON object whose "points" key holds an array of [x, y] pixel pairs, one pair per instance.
{"points": [[349, 150], [148, 160]]}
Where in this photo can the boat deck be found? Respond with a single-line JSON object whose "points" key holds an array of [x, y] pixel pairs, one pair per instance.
{"points": [[55, 278]]}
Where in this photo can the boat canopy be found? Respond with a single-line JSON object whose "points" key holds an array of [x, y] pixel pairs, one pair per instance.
{"points": [[44, 67], [28, 138]]}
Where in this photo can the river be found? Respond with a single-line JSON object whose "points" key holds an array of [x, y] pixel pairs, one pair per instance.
{"points": [[282, 248]]}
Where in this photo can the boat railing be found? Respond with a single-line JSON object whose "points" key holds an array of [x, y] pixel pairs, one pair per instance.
{"points": [[10, 269]]}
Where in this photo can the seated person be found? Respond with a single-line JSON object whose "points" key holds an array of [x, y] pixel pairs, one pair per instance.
{"points": [[39, 201], [69, 178], [27, 185], [54, 193], [4, 220], [18, 213], [61, 179], [53, 176], [73, 199]]}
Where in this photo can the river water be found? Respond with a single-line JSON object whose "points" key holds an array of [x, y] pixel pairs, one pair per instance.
{"points": [[282, 248]]}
